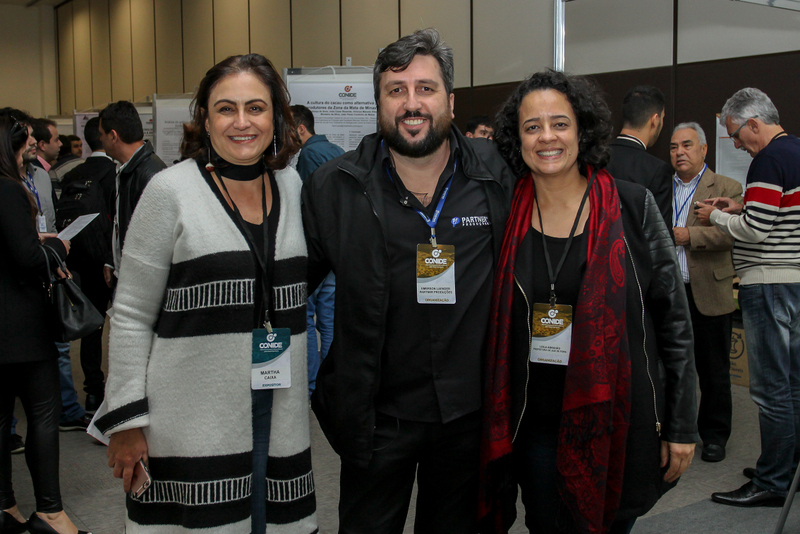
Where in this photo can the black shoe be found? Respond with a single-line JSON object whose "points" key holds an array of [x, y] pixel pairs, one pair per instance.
{"points": [[81, 423], [17, 445], [37, 525], [9, 524], [93, 402], [749, 495], [712, 453]]}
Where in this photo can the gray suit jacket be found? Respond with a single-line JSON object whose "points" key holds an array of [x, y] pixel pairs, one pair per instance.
{"points": [[709, 253]]}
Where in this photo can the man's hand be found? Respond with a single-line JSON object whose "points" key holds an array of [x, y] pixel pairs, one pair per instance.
{"points": [[727, 205], [108, 275], [678, 456], [681, 236], [703, 212], [125, 449]]}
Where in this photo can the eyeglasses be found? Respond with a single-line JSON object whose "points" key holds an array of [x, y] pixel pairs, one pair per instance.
{"points": [[735, 135], [17, 127]]}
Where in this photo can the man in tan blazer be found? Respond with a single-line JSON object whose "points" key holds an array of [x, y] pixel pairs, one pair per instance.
{"points": [[704, 254]]}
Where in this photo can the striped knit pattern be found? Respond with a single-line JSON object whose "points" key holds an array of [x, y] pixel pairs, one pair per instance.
{"points": [[180, 354], [198, 493], [210, 295], [767, 247]]}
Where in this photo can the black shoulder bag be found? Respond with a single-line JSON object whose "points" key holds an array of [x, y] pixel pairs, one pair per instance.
{"points": [[74, 316]]}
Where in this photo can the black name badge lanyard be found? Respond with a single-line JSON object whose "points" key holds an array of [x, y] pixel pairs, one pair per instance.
{"points": [[551, 323], [271, 356], [553, 276]]}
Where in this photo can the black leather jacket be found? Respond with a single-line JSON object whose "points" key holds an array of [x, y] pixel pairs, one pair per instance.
{"points": [[132, 181], [344, 220], [662, 362]]}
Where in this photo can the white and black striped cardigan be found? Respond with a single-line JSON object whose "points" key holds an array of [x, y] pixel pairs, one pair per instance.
{"points": [[179, 361]]}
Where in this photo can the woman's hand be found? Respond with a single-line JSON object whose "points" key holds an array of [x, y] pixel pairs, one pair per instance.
{"points": [[125, 449], [43, 236], [679, 456], [66, 244]]}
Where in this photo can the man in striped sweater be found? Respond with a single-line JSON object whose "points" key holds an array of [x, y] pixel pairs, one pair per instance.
{"points": [[766, 255]]}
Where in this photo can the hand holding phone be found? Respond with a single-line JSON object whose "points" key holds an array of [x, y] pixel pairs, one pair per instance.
{"points": [[141, 480]]}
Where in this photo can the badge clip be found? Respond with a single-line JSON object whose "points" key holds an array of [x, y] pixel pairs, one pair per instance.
{"points": [[433, 238]]}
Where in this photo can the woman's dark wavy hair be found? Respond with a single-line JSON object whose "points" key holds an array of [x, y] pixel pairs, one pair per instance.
{"points": [[591, 111], [193, 144], [13, 136]]}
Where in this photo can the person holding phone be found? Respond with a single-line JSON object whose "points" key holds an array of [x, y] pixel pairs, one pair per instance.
{"points": [[207, 381]]}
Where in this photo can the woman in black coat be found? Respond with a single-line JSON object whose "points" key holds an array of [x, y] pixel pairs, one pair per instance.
{"points": [[28, 356], [589, 314]]}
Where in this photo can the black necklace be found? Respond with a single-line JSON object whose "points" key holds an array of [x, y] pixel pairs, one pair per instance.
{"points": [[242, 173]]}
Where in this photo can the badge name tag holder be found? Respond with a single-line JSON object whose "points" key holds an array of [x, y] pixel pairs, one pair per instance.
{"points": [[41, 221], [551, 323], [436, 263], [271, 354]]}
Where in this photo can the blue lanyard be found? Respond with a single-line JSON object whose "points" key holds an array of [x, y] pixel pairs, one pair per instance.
{"points": [[32, 188], [431, 221], [691, 195]]}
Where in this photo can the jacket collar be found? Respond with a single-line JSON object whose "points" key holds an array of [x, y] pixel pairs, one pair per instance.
{"points": [[141, 154], [364, 164]]}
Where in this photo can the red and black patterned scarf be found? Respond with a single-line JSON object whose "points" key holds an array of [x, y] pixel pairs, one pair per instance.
{"points": [[596, 404]]}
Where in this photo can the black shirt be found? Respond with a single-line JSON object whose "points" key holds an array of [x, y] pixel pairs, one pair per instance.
{"points": [[545, 382], [432, 356]]}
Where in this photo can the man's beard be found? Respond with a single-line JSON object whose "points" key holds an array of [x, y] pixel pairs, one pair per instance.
{"points": [[28, 156], [438, 133]]}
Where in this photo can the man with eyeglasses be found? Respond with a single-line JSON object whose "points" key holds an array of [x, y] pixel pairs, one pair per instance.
{"points": [[766, 256]]}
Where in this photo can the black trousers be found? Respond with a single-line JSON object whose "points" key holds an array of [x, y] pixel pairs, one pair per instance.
{"points": [[712, 349], [37, 386], [94, 287], [444, 460]]}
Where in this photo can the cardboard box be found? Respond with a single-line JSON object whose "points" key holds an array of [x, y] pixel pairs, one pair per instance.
{"points": [[740, 373]]}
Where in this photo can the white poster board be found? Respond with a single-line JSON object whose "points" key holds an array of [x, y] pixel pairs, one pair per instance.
{"points": [[341, 99], [146, 116], [731, 161], [79, 120], [170, 112]]}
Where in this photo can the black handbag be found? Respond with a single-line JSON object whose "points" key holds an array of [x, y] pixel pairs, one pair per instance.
{"points": [[74, 316]]}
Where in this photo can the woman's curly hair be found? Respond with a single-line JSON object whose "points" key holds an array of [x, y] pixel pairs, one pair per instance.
{"points": [[591, 111], [194, 144]]}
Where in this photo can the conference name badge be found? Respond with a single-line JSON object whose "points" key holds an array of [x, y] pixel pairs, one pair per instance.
{"points": [[41, 223], [436, 274], [271, 366], [551, 334]]}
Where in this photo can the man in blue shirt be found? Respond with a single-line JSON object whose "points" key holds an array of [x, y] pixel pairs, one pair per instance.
{"points": [[316, 148], [316, 151]]}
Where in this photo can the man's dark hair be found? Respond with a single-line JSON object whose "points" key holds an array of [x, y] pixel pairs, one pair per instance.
{"points": [[641, 103], [41, 129], [123, 118], [303, 115], [195, 142], [399, 55], [91, 132], [588, 105], [66, 145], [18, 115], [476, 121]]}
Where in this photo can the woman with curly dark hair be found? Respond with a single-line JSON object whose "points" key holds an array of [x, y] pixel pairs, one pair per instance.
{"points": [[588, 305], [207, 370]]}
